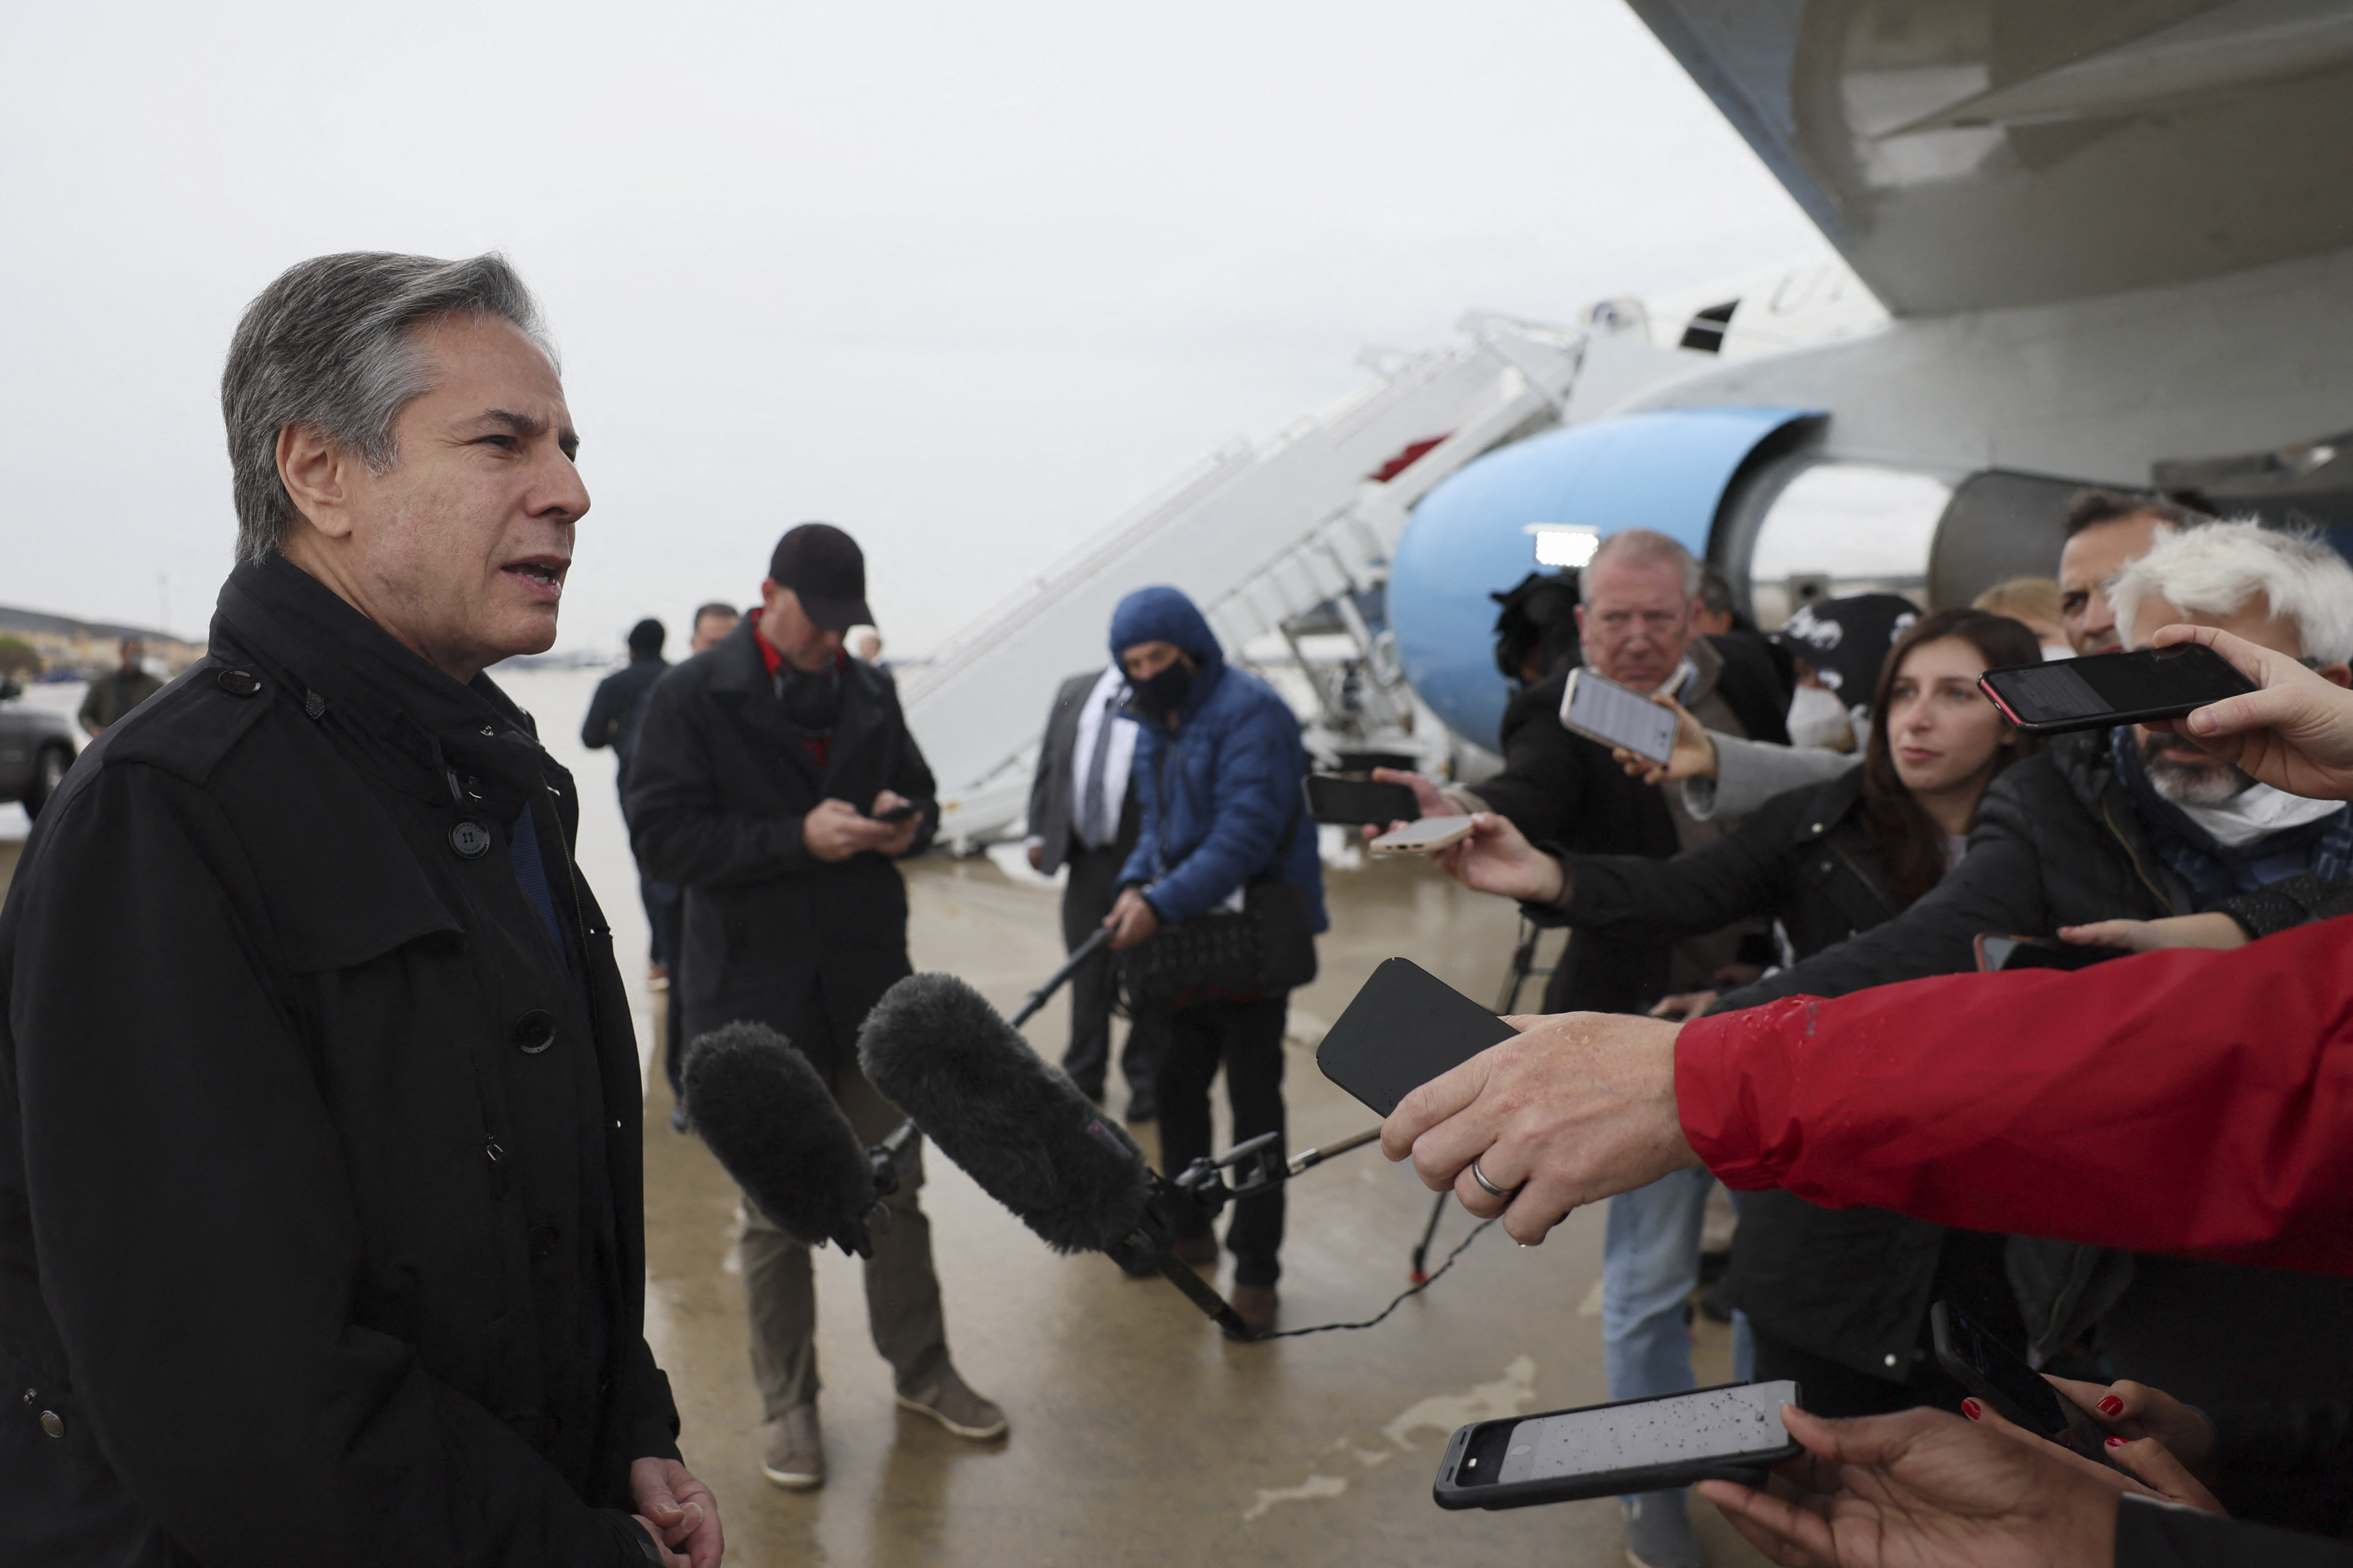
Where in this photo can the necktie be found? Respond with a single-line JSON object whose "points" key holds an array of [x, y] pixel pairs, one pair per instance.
{"points": [[1094, 811]]}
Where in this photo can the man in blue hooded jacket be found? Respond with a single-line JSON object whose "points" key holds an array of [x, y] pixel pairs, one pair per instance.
{"points": [[1217, 770]]}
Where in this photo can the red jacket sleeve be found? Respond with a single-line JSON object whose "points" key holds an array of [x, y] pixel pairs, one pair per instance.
{"points": [[2182, 1101]]}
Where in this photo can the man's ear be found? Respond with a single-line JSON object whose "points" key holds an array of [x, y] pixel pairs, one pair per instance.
{"points": [[317, 475], [2338, 674]]}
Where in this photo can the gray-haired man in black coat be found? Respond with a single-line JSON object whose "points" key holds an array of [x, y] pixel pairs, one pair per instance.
{"points": [[321, 1237]]}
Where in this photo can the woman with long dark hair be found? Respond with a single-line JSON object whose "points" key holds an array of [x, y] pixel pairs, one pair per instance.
{"points": [[1837, 1299]]}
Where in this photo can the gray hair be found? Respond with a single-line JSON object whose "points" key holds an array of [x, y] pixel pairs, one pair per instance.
{"points": [[331, 347], [1642, 545], [2224, 567]]}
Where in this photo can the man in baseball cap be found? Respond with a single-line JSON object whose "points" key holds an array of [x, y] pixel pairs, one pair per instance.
{"points": [[774, 779]]}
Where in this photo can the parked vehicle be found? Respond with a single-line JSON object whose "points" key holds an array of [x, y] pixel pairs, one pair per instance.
{"points": [[36, 747]]}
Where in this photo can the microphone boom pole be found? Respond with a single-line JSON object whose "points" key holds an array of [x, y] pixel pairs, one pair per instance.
{"points": [[1037, 999]]}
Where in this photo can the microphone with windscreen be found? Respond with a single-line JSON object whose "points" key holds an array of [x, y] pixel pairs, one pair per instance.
{"points": [[775, 1128], [936, 1049]]}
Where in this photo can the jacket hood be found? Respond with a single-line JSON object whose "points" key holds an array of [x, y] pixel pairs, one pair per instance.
{"points": [[1164, 614]]}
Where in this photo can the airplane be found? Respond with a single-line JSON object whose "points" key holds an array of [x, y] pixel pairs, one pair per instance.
{"points": [[2081, 242]]}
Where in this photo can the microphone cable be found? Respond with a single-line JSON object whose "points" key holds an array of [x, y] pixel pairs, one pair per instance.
{"points": [[1407, 1294]]}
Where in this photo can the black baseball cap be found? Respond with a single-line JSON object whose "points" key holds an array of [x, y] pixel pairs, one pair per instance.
{"points": [[826, 570]]}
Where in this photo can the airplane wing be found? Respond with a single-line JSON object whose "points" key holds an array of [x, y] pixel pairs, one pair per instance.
{"points": [[1971, 153]]}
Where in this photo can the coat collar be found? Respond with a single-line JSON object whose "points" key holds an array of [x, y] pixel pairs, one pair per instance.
{"points": [[739, 675]]}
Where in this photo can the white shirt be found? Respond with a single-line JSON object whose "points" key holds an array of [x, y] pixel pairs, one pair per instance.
{"points": [[1119, 758]]}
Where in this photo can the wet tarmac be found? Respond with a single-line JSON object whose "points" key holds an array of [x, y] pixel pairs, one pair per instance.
{"points": [[1139, 1434]]}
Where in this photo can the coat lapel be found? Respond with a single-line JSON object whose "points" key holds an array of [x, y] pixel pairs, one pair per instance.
{"points": [[740, 678]]}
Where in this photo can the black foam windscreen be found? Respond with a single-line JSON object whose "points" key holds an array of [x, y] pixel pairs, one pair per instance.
{"points": [[937, 1049], [775, 1126]]}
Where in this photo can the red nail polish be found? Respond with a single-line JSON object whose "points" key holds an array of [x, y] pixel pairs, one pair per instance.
{"points": [[2112, 1406], [2115, 1442], [1972, 1409]]}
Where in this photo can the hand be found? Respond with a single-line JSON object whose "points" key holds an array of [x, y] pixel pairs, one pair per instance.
{"points": [[1496, 859], [1427, 800], [1132, 920], [835, 830], [2137, 1411], [1575, 1108], [1917, 1489], [1686, 1005], [2296, 734], [2149, 1469], [902, 834], [1692, 756], [680, 1510], [2213, 928]]}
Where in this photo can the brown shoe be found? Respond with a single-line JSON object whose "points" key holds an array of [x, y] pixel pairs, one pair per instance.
{"points": [[1255, 1305], [792, 1449], [947, 1401]]}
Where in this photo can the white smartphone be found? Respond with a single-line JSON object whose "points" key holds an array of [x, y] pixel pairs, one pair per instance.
{"points": [[1600, 708], [1422, 838]]}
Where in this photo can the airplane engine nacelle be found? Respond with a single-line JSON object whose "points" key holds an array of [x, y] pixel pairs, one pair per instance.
{"points": [[1751, 490]]}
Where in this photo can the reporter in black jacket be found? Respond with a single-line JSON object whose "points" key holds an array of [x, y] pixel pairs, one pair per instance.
{"points": [[764, 773], [321, 1237], [1837, 1298]]}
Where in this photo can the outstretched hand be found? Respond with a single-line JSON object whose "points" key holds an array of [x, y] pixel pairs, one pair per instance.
{"points": [[2296, 734], [1497, 858], [1921, 1489], [2211, 929], [1576, 1108], [1692, 756]]}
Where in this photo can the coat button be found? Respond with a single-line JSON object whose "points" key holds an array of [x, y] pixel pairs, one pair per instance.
{"points": [[53, 1423], [1891, 1360], [470, 839], [534, 1031], [543, 1241], [313, 704], [238, 682]]}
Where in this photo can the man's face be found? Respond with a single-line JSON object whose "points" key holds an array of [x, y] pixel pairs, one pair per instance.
{"points": [[2179, 771], [2086, 566], [807, 647], [460, 549], [1146, 659], [134, 653], [1636, 621], [709, 630]]}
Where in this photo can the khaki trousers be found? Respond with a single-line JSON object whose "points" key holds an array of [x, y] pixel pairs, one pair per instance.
{"points": [[902, 1294]]}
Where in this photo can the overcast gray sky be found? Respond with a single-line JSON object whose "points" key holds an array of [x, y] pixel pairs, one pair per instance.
{"points": [[968, 280]]}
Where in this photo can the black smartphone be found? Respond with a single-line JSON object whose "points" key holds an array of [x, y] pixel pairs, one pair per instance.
{"points": [[1354, 803], [2003, 952], [899, 813], [2103, 689], [1404, 1028], [1730, 1433], [1999, 1376]]}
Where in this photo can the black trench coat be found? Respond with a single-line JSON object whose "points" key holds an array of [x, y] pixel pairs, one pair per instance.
{"points": [[321, 1239], [718, 786]]}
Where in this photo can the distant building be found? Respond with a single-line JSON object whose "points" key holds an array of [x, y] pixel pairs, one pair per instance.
{"points": [[89, 647]]}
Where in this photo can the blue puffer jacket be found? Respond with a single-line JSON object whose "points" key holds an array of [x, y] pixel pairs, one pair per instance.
{"points": [[1219, 791]]}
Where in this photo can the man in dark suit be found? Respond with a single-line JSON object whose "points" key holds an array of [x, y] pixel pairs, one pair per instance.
{"points": [[775, 780], [1084, 814]]}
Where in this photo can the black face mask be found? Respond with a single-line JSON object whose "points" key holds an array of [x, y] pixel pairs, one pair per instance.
{"points": [[1164, 693]]}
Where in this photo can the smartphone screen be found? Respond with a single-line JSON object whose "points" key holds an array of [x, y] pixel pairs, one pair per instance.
{"points": [[896, 814], [1709, 1424], [2105, 688], [1353, 803], [1601, 710], [1404, 1028]]}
